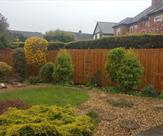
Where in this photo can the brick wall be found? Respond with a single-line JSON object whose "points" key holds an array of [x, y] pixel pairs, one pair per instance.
{"points": [[145, 26]]}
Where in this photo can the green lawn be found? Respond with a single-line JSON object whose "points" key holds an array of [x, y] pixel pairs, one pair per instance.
{"points": [[49, 94]]}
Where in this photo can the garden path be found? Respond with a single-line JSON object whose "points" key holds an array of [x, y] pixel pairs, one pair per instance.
{"points": [[128, 121]]}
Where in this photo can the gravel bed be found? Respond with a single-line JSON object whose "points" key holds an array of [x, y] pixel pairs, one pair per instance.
{"points": [[144, 114]]}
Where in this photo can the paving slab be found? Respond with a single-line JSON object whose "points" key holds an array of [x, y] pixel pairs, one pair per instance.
{"points": [[156, 131]]}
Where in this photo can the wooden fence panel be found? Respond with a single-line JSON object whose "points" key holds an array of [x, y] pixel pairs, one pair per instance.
{"points": [[88, 61]]}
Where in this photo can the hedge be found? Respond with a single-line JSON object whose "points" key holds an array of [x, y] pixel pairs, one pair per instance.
{"points": [[133, 41], [130, 41], [56, 45]]}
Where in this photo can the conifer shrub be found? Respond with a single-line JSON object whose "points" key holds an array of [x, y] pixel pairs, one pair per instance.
{"points": [[45, 121], [5, 70], [63, 68], [124, 68], [46, 72], [19, 62]]}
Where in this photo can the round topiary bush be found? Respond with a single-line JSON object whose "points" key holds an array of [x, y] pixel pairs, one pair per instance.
{"points": [[124, 68], [35, 49], [5, 70], [46, 72], [63, 67]]}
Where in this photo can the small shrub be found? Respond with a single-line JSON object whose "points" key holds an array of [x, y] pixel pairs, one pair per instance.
{"points": [[35, 50], [46, 72], [161, 95], [5, 70], [95, 80], [63, 68], [34, 80], [19, 62], [122, 103], [4, 105], [45, 121], [149, 91], [124, 68], [95, 117], [112, 89]]}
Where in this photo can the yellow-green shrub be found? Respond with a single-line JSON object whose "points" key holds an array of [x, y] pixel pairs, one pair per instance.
{"points": [[45, 121], [35, 49], [5, 69]]}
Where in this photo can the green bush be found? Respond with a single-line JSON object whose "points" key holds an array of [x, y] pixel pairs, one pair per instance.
{"points": [[46, 72], [5, 70], [124, 68], [5, 37], [17, 45], [34, 80], [149, 91], [19, 62], [114, 63], [63, 67], [95, 80], [45, 121], [161, 95], [112, 89], [59, 35]]}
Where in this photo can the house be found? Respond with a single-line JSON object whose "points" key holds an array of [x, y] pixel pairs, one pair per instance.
{"points": [[148, 21], [103, 29], [22, 35], [79, 36]]}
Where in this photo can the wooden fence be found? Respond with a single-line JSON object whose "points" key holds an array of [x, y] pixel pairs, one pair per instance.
{"points": [[88, 61]]}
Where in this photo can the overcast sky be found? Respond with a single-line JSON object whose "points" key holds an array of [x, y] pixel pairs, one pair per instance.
{"points": [[70, 15]]}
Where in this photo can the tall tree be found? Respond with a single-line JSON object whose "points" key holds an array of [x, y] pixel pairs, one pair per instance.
{"points": [[59, 35], [4, 33]]}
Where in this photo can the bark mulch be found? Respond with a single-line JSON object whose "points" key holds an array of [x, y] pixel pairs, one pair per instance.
{"points": [[123, 121]]}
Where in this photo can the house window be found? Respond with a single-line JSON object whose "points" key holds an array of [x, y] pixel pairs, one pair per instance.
{"points": [[158, 18], [118, 31], [94, 37], [98, 36], [135, 26], [147, 24], [131, 28]]}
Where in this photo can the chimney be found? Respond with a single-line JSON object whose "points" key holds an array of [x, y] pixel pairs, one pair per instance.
{"points": [[80, 32], [156, 2]]}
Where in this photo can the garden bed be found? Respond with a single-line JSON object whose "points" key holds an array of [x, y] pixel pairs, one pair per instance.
{"points": [[122, 119], [120, 115]]}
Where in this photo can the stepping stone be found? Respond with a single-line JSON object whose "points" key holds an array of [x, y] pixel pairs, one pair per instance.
{"points": [[109, 117], [129, 124], [103, 96], [156, 131], [3, 86], [158, 107]]}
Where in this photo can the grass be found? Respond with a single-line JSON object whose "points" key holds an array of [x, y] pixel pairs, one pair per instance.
{"points": [[49, 95]]}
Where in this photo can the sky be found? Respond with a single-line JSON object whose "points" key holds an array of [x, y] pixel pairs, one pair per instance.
{"points": [[69, 15]]}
